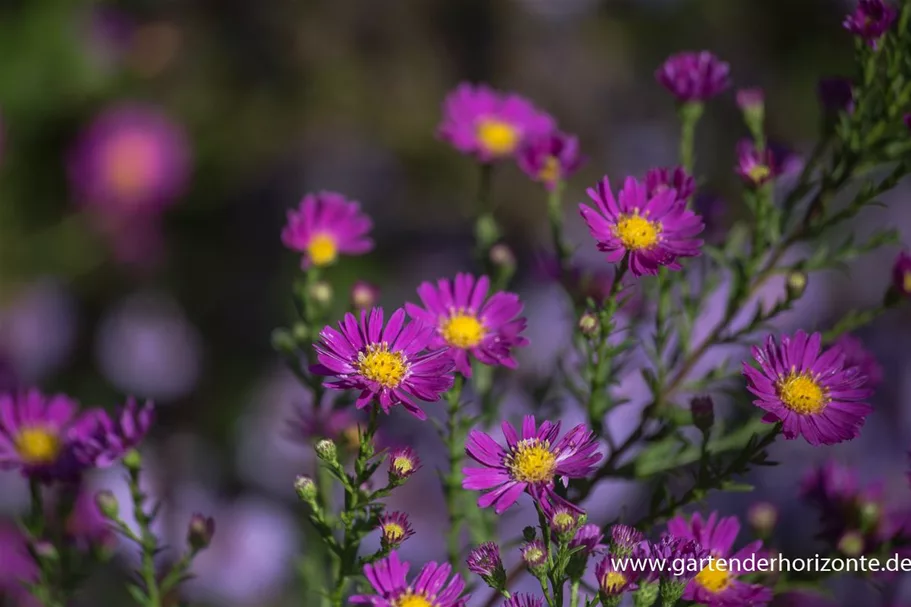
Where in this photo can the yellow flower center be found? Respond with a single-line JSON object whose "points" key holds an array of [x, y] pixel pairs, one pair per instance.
{"points": [[613, 581], [463, 330], [378, 364], [410, 599], [759, 172], [322, 249], [128, 161], [402, 465], [37, 446], [498, 137], [564, 519], [714, 578], [636, 232], [534, 555], [906, 282], [532, 461], [550, 172], [393, 531], [802, 394]]}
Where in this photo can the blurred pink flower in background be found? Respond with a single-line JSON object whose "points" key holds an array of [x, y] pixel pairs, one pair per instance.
{"points": [[15, 566]]}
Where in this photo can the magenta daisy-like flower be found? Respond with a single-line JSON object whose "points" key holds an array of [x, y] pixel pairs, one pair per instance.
{"points": [[488, 124], [17, 567], [755, 167], [810, 391], [857, 355], [403, 463], [431, 588], [589, 537], [523, 600], [467, 321], [105, 439], [485, 561], [388, 365], [718, 585], [530, 463], [40, 435], [394, 528], [551, 158], [870, 20], [676, 178], [653, 230], [326, 225], [131, 160], [692, 76], [613, 578]]}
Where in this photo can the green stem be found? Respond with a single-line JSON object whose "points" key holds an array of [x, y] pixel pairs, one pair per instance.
{"points": [[148, 543], [555, 215], [689, 113], [453, 488], [487, 230], [574, 593]]}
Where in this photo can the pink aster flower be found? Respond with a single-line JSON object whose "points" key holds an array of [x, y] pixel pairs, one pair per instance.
{"points": [[694, 77], [589, 537], [324, 226], [676, 178], [810, 391], [467, 321], [394, 528], [488, 124], [432, 587], [755, 167], [131, 160], [530, 463], [870, 20], [39, 435], [718, 585], [613, 578], [653, 231], [403, 463], [551, 158], [388, 365], [857, 355], [901, 274], [523, 600]]}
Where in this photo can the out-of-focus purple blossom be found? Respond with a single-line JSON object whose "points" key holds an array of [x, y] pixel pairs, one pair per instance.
{"points": [[311, 423], [694, 76], [751, 99], [87, 526], [757, 168], [200, 531], [870, 20], [901, 274], [551, 158], [105, 438], [131, 160], [762, 517], [856, 355], [488, 124], [836, 94], [364, 295], [659, 179], [16, 566]]}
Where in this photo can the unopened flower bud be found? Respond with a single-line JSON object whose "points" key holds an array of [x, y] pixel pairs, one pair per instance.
{"points": [[589, 324], [563, 522], [364, 295], [107, 504], [132, 460], [46, 550], [529, 534], [851, 543], [624, 539], [870, 515], [702, 409], [796, 284], [762, 517], [320, 292], [752, 103], [534, 555], [502, 256], [300, 332], [200, 531], [326, 450], [306, 488]]}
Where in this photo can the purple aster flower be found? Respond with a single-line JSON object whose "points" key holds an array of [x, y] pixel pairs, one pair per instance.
{"points": [[692, 76], [324, 226], [132, 159], [613, 579], [550, 158], [717, 585], [753, 166], [530, 463], [431, 588], [488, 124], [534, 554], [856, 355], [676, 178], [652, 231], [669, 549], [17, 567], [563, 520], [589, 537], [524, 600], [105, 439], [836, 94], [468, 322], [870, 20], [39, 435], [394, 528], [810, 391], [387, 365], [624, 539], [485, 560], [403, 462], [901, 274]]}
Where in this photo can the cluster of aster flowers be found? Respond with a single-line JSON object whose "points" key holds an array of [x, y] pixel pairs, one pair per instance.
{"points": [[462, 332]]}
